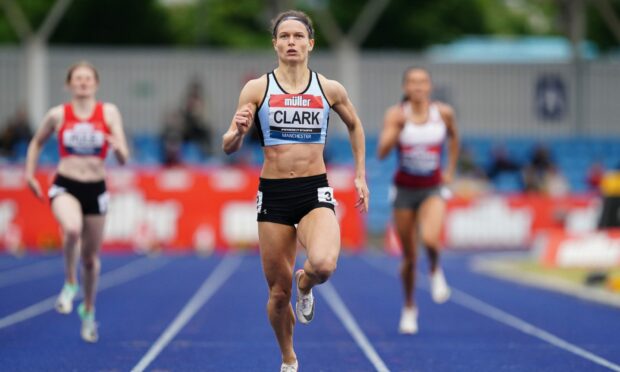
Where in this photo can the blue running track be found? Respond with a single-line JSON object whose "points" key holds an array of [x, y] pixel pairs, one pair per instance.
{"points": [[184, 313]]}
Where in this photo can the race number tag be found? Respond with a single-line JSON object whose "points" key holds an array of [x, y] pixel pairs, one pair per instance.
{"points": [[104, 201], [326, 195], [55, 190], [296, 117], [83, 139], [259, 201]]}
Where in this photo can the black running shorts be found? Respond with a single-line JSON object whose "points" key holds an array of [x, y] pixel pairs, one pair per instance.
{"points": [[288, 200], [92, 196]]}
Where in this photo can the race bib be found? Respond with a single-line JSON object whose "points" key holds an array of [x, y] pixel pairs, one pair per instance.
{"points": [[83, 139], [55, 190], [259, 201], [296, 117], [421, 160], [104, 201], [326, 195]]}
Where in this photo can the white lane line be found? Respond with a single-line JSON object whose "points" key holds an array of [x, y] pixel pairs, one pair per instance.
{"points": [[478, 306], [483, 308], [208, 288], [29, 272], [342, 312], [110, 279]]}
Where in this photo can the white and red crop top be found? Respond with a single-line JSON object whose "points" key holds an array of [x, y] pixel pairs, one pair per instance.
{"points": [[83, 137], [284, 118], [420, 147]]}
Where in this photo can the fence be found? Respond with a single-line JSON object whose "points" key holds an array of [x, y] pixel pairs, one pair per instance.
{"points": [[501, 100]]}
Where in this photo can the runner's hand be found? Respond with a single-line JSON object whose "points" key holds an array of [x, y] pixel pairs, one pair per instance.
{"points": [[112, 142], [363, 194], [447, 177], [33, 184], [244, 118]]}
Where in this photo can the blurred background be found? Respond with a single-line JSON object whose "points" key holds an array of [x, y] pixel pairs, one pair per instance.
{"points": [[535, 86]]}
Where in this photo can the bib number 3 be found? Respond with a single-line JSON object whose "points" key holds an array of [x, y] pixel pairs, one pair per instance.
{"points": [[326, 195]]}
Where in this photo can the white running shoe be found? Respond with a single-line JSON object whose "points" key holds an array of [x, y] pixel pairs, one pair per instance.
{"points": [[89, 326], [289, 367], [439, 287], [64, 302], [304, 306], [408, 321]]}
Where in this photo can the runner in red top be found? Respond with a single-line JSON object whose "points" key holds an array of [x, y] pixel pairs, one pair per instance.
{"points": [[83, 137], [418, 128], [86, 130]]}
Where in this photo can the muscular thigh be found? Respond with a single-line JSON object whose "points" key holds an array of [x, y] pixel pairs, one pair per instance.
{"points": [[277, 249], [431, 216], [319, 233], [67, 210]]}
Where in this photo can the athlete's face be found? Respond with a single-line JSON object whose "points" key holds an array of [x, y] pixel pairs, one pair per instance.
{"points": [[292, 42], [83, 82], [417, 85]]}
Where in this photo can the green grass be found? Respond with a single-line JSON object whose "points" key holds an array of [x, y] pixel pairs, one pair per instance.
{"points": [[575, 275]]}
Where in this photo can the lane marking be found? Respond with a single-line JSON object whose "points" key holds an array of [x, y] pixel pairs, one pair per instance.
{"points": [[483, 308], [335, 302], [29, 272], [121, 275], [9, 262], [208, 288]]}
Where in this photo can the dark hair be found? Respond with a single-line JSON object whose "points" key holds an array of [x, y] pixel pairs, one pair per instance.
{"points": [[295, 15], [76, 65]]}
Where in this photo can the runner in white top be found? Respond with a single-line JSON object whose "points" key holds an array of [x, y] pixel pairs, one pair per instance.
{"points": [[418, 129]]}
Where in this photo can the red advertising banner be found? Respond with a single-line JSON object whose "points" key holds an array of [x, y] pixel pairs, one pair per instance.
{"points": [[165, 208], [596, 250]]}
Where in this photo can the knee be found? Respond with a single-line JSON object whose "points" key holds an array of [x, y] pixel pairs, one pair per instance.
{"points": [[90, 263], [431, 241], [72, 233], [279, 297], [324, 268]]}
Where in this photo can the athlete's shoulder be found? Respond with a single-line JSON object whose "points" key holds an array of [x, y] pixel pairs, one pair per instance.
{"points": [[56, 113], [328, 83], [445, 110], [254, 89], [110, 112], [395, 113], [109, 107], [334, 91], [260, 83], [56, 110]]}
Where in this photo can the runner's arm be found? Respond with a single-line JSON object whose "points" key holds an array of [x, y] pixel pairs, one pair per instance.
{"points": [[244, 116], [344, 107], [392, 125]]}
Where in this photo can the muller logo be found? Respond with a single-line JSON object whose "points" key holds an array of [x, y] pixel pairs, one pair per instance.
{"points": [[297, 101]]}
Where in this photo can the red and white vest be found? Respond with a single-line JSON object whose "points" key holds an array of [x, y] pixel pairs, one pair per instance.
{"points": [[83, 137], [420, 147]]}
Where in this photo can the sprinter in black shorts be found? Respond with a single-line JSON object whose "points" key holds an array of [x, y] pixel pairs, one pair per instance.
{"points": [[86, 130], [290, 107]]}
